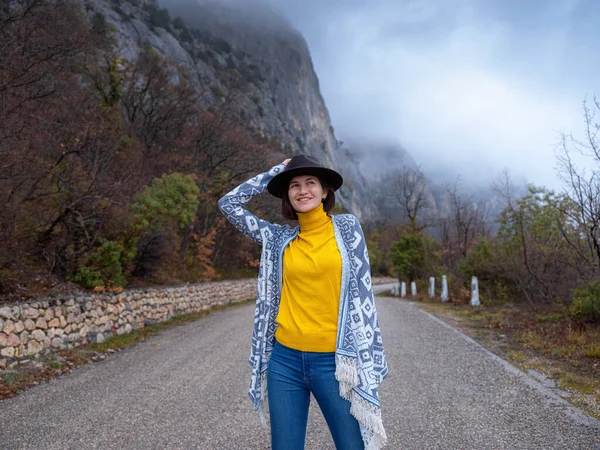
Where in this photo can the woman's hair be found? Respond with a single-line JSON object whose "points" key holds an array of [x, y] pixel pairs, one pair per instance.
{"points": [[288, 211]]}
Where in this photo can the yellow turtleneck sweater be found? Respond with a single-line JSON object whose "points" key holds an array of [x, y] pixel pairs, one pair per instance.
{"points": [[310, 295]]}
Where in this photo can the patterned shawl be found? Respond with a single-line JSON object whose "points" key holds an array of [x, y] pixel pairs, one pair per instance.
{"points": [[360, 359]]}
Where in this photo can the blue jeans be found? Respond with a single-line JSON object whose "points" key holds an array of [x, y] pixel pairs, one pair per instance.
{"points": [[291, 377]]}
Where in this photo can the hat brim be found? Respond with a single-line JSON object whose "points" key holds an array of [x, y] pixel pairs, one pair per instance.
{"points": [[279, 183]]}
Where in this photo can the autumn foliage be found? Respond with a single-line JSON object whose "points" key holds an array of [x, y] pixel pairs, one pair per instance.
{"points": [[110, 170]]}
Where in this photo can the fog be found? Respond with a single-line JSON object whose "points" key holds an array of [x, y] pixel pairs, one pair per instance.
{"points": [[466, 86]]}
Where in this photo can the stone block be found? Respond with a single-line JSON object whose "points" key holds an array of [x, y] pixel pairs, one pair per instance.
{"points": [[19, 351], [32, 313], [13, 340], [24, 337], [49, 314], [9, 352], [3, 340], [39, 335], [29, 324], [54, 323], [41, 323], [6, 313], [19, 326], [9, 327], [33, 347]]}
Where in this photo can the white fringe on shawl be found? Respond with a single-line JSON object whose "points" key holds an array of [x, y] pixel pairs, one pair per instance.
{"points": [[366, 413]]}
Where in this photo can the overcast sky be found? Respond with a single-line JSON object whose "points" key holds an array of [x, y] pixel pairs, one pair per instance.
{"points": [[485, 84]]}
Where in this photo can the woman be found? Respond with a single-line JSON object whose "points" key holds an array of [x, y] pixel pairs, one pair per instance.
{"points": [[315, 327]]}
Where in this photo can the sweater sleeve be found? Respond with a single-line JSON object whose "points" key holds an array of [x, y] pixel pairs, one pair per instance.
{"points": [[232, 206]]}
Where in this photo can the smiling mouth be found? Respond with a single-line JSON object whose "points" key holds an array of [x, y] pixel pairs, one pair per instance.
{"points": [[301, 200]]}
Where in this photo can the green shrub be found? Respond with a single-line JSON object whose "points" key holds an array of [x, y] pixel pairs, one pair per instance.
{"points": [[106, 265], [172, 198], [586, 302], [88, 278]]}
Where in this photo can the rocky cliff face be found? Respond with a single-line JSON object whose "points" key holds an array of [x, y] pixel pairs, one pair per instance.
{"points": [[244, 49]]}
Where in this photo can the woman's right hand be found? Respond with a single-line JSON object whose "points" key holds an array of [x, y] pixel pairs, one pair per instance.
{"points": [[287, 161]]}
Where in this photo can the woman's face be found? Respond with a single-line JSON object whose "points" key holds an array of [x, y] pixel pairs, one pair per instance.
{"points": [[305, 193]]}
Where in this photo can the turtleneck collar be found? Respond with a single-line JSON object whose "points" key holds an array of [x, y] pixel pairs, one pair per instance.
{"points": [[313, 219]]}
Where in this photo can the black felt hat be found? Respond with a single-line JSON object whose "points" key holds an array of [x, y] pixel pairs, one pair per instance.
{"points": [[303, 165]]}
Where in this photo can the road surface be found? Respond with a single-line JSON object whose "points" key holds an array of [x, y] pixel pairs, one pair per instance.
{"points": [[186, 389]]}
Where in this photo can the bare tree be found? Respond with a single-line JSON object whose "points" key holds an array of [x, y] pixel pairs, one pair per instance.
{"points": [[407, 189], [582, 188], [463, 226]]}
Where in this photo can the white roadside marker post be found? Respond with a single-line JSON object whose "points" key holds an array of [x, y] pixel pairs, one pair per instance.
{"points": [[403, 289], [444, 288], [431, 287], [413, 288], [474, 292]]}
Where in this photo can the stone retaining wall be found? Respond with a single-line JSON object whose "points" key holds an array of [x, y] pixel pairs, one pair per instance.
{"points": [[33, 328]]}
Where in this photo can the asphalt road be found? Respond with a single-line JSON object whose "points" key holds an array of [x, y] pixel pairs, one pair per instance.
{"points": [[186, 389]]}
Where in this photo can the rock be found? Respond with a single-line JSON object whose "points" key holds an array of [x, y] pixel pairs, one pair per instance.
{"points": [[24, 337], [32, 313], [56, 342], [9, 327], [33, 347], [19, 351], [19, 326], [39, 335], [6, 313], [68, 329], [95, 338], [13, 340], [49, 315], [41, 323], [54, 323], [128, 328], [101, 320], [51, 332], [58, 311], [29, 324], [2, 363], [63, 322], [3, 340], [9, 352], [59, 332]]}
